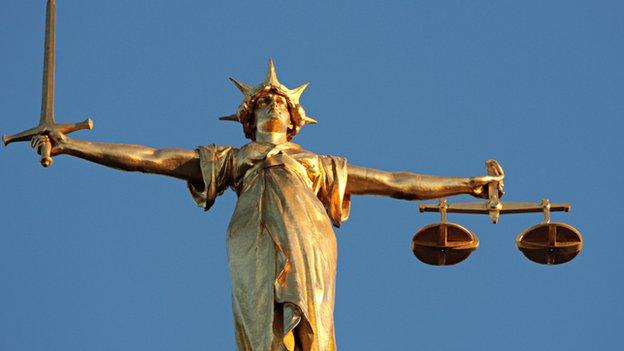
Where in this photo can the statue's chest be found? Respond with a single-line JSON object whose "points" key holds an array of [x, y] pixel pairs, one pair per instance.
{"points": [[256, 157]]}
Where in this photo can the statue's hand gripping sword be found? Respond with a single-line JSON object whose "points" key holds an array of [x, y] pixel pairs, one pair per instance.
{"points": [[46, 122]]}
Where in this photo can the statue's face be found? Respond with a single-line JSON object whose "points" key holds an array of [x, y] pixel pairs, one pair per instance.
{"points": [[271, 113]]}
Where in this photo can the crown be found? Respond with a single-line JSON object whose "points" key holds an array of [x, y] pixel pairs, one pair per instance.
{"points": [[244, 115]]}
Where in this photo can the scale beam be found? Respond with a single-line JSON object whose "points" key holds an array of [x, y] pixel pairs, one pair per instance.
{"points": [[507, 207]]}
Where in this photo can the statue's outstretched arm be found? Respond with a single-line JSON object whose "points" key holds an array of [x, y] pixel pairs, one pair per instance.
{"points": [[412, 186], [178, 163]]}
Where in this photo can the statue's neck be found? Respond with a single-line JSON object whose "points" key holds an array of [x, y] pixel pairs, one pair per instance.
{"points": [[275, 138]]}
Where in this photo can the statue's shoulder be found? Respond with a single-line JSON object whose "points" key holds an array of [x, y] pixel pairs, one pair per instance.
{"points": [[213, 151]]}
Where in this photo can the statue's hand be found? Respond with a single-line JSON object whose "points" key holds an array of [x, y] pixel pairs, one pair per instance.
{"points": [[55, 139], [480, 185]]}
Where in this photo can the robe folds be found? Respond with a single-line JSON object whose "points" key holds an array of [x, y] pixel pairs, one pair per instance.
{"points": [[280, 242]]}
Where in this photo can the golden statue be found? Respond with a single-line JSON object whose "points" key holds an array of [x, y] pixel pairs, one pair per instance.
{"points": [[280, 242]]}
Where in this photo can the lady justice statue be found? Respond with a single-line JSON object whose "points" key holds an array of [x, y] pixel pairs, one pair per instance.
{"points": [[280, 242]]}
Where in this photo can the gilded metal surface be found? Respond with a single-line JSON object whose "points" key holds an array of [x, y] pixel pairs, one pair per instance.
{"points": [[508, 207], [46, 121], [443, 244], [494, 169], [281, 244], [545, 243], [245, 113], [282, 249], [550, 243]]}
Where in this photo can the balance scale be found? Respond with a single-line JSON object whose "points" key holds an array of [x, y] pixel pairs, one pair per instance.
{"points": [[446, 243]]}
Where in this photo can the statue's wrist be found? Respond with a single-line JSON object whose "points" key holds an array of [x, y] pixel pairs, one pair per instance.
{"points": [[63, 146], [470, 185], [474, 187]]}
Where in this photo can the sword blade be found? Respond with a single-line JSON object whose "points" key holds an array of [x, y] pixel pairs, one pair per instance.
{"points": [[47, 94]]}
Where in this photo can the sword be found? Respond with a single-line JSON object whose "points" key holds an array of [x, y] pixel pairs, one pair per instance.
{"points": [[46, 121]]}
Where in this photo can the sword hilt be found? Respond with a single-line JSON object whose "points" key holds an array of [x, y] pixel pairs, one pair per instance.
{"points": [[46, 159], [45, 129]]}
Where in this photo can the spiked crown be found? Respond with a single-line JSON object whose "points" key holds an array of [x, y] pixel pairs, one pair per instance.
{"points": [[244, 115]]}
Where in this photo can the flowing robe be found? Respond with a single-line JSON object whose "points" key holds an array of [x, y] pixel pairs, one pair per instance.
{"points": [[280, 242]]}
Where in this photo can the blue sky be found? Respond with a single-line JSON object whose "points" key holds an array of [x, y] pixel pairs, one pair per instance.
{"points": [[96, 259]]}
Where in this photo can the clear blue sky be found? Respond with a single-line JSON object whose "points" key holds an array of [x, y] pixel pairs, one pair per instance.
{"points": [[96, 259]]}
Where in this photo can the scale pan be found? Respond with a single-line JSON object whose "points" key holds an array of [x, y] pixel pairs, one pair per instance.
{"points": [[550, 243], [443, 244]]}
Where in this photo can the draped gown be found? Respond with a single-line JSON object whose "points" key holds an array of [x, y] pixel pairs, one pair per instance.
{"points": [[280, 242]]}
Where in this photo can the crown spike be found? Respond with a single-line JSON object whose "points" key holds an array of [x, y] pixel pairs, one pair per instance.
{"points": [[271, 77], [244, 88], [309, 120], [296, 93], [233, 118]]}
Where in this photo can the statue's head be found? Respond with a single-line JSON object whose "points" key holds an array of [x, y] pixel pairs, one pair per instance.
{"points": [[270, 106]]}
